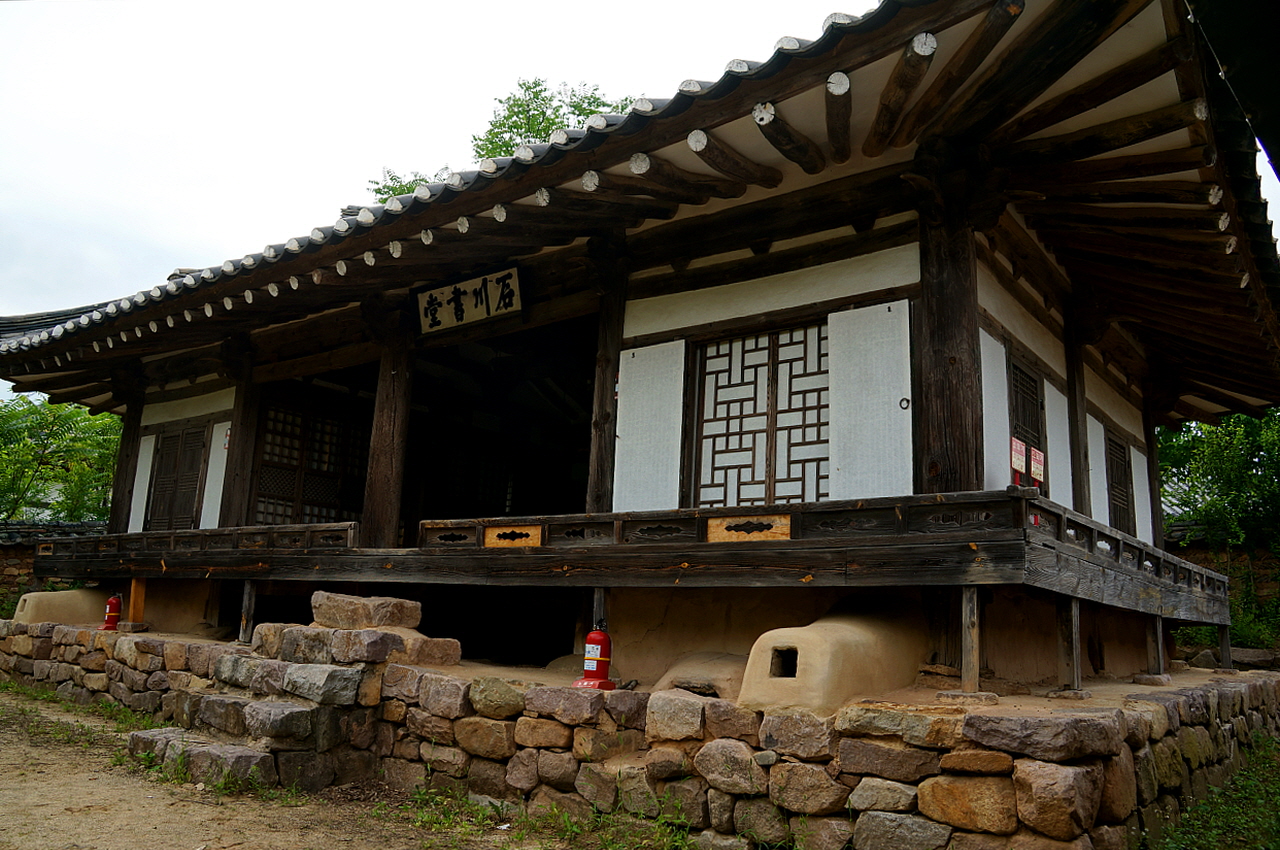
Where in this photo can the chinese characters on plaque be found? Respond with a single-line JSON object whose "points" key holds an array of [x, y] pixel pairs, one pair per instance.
{"points": [[1018, 452], [475, 300]]}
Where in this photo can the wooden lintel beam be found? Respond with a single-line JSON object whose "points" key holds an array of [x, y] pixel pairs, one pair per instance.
{"points": [[1138, 192], [839, 113], [314, 364], [730, 162], [1128, 167], [1050, 47], [787, 140], [1105, 137], [665, 174], [984, 38], [903, 81], [1209, 221], [1028, 255], [1096, 92], [1009, 281]]}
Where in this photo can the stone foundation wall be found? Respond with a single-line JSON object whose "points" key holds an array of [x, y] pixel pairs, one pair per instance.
{"points": [[310, 706], [16, 568]]}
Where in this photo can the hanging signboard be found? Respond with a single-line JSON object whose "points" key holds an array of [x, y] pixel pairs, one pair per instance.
{"points": [[450, 305], [1037, 465]]}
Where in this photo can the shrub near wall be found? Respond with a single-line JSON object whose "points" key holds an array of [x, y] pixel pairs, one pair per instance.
{"points": [[310, 706]]}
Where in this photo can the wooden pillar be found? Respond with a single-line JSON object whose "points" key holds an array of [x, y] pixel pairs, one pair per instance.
{"points": [[137, 600], [126, 466], [1153, 477], [1077, 412], [246, 611], [1155, 645], [1224, 646], [1069, 662], [380, 519], [970, 655], [946, 349], [237, 488], [612, 276]]}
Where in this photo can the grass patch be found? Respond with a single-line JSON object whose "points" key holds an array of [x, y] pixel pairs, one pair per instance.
{"points": [[1244, 814], [121, 717]]}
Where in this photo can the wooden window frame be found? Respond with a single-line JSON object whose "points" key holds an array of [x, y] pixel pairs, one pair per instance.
{"points": [[1015, 359], [161, 429]]}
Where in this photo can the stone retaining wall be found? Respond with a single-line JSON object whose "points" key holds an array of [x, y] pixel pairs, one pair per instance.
{"points": [[310, 706]]}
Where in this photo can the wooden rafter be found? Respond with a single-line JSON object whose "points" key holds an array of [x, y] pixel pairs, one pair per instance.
{"points": [[1138, 192], [1128, 167], [666, 174], [787, 140], [604, 184], [1106, 137], [839, 113], [730, 162], [904, 79]]}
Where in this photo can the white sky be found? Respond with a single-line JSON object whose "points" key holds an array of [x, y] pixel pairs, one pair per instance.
{"points": [[143, 135]]}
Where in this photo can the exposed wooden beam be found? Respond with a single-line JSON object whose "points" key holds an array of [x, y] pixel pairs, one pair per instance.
{"points": [[1007, 280], [1105, 137], [1128, 167], [1209, 221], [126, 462], [1225, 399], [787, 140], [839, 113], [1224, 267], [622, 185], [1138, 192], [903, 81], [984, 38], [1196, 413], [1029, 259], [1051, 46], [1129, 76], [730, 163], [612, 281], [1069, 655], [384, 482], [970, 639], [665, 174], [605, 205]]}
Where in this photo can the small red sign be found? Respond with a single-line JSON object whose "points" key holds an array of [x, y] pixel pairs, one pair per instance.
{"points": [[1037, 465]]}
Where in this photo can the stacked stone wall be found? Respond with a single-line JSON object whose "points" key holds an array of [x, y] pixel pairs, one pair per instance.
{"points": [[311, 705], [16, 569]]}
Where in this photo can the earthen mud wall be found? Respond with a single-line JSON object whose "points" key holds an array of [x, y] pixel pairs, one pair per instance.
{"points": [[311, 706]]}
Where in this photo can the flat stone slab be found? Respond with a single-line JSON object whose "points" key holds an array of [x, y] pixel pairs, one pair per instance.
{"points": [[339, 611]]}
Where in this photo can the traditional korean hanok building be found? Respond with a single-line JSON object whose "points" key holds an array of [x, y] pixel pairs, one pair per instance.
{"points": [[881, 325]]}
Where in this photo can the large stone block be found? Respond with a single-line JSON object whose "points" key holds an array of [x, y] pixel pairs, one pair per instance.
{"points": [[305, 645], [636, 792], [369, 645], [542, 732], [404, 775], [487, 738], [760, 820], [444, 696], [629, 709], [547, 800], [921, 725], [711, 840], [559, 770], [598, 744], [438, 730], [494, 698], [267, 638], [323, 683], [888, 758], [451, 761], [598, 785], [267, 676], [1119, 788], [489, 779], [973, 803], [1057, 800], [983, 762], [883, 795], [402, 683], [339, 611], [675, 715], [304, 770], [684, 802], [832, 833], [806, 789], [573, 706], [223, 762], [1055, 737], [668, 763], [352, 765], [522, 770], [277, 720], [800, 733], [725, 719], [423, 651], [223, 712], [729, 765], [881, 830]]}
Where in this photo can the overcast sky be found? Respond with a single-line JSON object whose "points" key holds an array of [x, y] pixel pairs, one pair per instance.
{"points": [[143, 135]]}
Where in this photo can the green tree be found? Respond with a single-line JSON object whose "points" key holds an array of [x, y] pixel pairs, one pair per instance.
{"points": [[529, 114], [56, 462]]}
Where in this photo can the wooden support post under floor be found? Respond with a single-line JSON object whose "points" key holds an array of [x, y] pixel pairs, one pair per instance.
{"points": [[137, 601], [1069, 674], [1155, 645], [1224, 646], [970, 657], [246, 611]]}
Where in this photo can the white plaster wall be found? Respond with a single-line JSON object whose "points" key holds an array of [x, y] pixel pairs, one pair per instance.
{"points": [[141, 480], [1017, 321], [1058, 431], [894, 267], [1113, 404], [869, 366], [995, 412], [1142, 513], [201, 405], [211, 507], [1098, 494], [646, 472]]}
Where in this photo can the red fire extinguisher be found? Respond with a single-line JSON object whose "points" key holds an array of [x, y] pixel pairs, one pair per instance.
{"points": [[595, 667], [111, 624]]}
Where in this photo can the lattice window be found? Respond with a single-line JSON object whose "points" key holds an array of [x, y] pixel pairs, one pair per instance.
{"points": [[311, 467], [1120, 485], [763, 416], [1026, 413]]}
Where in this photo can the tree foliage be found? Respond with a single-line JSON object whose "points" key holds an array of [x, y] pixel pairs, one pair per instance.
{"points": [[528, 115], [1225, 480], [56, 462]]}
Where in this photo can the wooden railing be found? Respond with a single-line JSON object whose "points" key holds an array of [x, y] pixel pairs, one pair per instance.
{"points": [[337, 535]]}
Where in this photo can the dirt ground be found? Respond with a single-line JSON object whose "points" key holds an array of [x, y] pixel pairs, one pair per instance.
{"points": [[59, 790]]}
